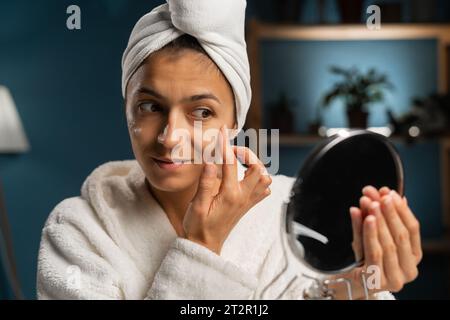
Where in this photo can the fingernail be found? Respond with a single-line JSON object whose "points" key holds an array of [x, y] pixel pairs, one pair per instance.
{"points": [[374, 209], [387, 200], [371, 221], [264, 172], [397, 198], [365, 189], [375, 205]]}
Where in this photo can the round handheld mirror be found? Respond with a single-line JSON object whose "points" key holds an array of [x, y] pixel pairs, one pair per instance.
{"points": [[318, 222]]}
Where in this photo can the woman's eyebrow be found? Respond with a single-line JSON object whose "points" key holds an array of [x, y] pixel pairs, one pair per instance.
{"points": [[150, 92], [201, 96]]}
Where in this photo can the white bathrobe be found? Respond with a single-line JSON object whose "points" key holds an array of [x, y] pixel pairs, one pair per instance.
{"points": [[115, 242]]}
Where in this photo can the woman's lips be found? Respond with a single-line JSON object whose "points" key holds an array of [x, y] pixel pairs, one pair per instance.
{"points": [[169, 165]]}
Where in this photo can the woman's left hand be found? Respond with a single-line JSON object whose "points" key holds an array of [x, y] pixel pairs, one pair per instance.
{"points": [[387, 234]]}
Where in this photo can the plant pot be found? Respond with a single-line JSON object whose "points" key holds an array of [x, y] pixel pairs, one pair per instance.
{"points": [[423, 11], [351, 10], [314, 127], [281, 115], [287, 11], [391, 12], [282, 119], [357, 118]]}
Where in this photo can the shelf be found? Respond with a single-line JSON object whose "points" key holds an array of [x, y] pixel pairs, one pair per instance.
{"points": [[350, 32], [294, 140], [258, 31], [299, 140]]}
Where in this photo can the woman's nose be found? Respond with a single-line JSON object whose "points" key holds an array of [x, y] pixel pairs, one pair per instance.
{"points": [[174, 134]]}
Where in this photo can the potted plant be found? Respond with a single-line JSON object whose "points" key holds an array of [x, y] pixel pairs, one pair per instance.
{"points": [[281, 116], [358, 91]]}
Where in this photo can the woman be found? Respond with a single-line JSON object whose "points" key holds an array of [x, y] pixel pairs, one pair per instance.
{"points": [[162, 227]]}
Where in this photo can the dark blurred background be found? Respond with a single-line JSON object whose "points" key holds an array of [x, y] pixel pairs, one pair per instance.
{"points": [[66, 86]]}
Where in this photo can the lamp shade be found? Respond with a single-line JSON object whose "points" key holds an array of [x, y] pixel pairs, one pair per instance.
{"points": [[12, 135]]}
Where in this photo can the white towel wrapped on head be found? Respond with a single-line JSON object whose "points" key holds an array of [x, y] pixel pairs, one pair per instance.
{"points": [[218, 26]]}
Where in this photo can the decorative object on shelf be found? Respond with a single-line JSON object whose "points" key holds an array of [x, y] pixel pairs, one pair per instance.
{"points": [[314, 127], [288, 11], [12, 141], [281, 115], [358, 91], [351, 10], [423, 11], [322, 11], [427, 117], [391, 12]]}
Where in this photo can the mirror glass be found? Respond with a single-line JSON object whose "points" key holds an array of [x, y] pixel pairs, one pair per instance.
{"points": [[318, 222]]}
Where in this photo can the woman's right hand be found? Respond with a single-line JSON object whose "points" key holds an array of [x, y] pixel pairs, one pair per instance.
{"points": [[211, 216]]}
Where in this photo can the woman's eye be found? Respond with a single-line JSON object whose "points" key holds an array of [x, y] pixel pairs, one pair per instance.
{"points": [[150, 107], [202, 113]]}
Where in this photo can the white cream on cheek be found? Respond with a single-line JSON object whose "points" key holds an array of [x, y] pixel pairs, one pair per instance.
{"points": [[134, 129], [137, 131]]}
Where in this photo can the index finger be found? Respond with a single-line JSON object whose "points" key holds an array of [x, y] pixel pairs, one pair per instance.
{"points": [[372, 193], [256, 173], [229, 166], [357, 245], [249, 158]]}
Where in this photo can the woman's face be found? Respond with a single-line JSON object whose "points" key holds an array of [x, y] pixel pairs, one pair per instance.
{"points": [[166, 97]]}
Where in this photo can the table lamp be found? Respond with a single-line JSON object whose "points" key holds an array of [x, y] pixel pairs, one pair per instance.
{"points": [[12, 141]]}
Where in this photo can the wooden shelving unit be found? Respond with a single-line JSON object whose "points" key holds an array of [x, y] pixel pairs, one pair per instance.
{"points": [[300, 140], [258, 31]]}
